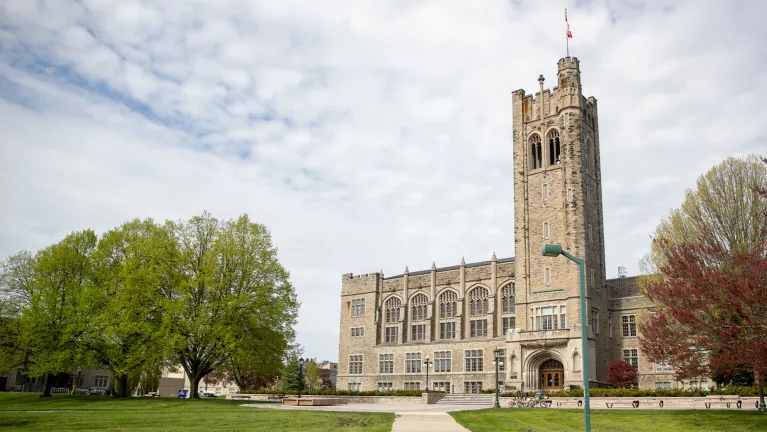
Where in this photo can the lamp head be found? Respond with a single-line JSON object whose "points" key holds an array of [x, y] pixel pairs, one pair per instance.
{"points": [[551, 250]]}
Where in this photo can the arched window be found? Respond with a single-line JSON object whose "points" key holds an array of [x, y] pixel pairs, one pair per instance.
{"points": [[507, 298], [554, 147], [418, 305], [448, 304], [536, 153], [478, 301], [392, 309]]}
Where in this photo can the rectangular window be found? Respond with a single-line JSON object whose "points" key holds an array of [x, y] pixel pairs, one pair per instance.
{"points": [[474, 361], [663, 385], [441, 386], [412, 386], [547, 276], [101, 381], [545, 191], [447, 330], [386, 363], [569, 194], [390, 334], [508, 323], [478, 328], [418, 332], [355, 386], [566, 119], [629, 325], [358, 307], [385, 387], [357, 331], [443, 361], [502, 365], [562, 318], [545, 230], [472, 387], [413, 362], [631, 356], [610, 325], [662, 366], [355, 364], [595, 320]]}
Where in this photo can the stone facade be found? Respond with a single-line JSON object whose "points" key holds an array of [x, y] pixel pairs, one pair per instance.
{"points": [[529, 306]]}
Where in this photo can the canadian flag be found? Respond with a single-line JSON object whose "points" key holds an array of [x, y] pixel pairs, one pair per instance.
{"points": [[569, 33]]}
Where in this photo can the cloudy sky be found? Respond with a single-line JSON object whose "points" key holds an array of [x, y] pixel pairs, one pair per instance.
{"points": [[368, 135]]}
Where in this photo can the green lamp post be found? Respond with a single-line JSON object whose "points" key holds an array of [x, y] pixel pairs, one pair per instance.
{"points": [[497, 361], [553, 250]]}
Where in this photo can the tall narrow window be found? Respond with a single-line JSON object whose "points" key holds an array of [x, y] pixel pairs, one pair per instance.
{"points": [[547, 275], [448, 304], [507, 298], [392, 307], [569, 194], [610, 325], [545, 191], [536, 155], [593, 282], [545, 230], [595, 320], [554, 147], [419, 303], [478, 301]]}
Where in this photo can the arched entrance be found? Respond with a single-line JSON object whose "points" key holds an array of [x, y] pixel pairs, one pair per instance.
{"points": [[551, 375]]}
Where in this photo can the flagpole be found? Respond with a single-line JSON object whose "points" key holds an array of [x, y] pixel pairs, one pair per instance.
{"points": [[567, 37]]}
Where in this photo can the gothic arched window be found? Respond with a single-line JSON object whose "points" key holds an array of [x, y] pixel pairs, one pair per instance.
{"points": [[478, 301], [392, 309], [554, 147], [507, 298], [418, 305], [448, 304], [536, 153]]}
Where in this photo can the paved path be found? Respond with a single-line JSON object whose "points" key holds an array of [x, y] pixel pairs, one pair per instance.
{"points": [[412, 421]]}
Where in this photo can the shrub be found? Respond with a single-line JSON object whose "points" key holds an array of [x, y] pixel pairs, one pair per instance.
{"points": [[622, 374], [341, 392]]}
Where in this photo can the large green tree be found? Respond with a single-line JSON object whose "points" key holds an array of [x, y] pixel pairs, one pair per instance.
{"points": [[226, 293], [44, 294], [124, 315]]}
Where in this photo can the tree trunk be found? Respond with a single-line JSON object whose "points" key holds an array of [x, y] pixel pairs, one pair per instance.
{"points": [[195, 384], [762, 406], [47, 382], [122, 385]]}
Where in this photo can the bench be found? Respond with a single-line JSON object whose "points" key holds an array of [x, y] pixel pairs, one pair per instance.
{"points": [[60, 390], [278, 397], [152, 394], [81, 391], [722, 401], [100, 392], [578, 403], [633, 404], [240, 396]]}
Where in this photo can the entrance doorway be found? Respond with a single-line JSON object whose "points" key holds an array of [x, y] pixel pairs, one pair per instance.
{"points": [[551, 376]]}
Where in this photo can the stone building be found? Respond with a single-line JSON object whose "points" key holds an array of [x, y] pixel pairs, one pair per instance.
{"points": [[525, 309]]}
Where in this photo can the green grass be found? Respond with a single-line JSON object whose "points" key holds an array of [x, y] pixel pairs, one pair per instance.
{"points": [[27, 411], [559, 420]]}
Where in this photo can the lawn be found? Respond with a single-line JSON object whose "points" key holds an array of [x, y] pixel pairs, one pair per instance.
{"points": [[559, 420], [27, 411]]}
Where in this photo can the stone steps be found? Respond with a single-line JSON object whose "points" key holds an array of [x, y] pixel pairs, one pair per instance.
{"points": [[467, 399]]}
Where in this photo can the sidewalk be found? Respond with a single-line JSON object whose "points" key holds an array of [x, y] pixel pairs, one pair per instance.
{"points": [[414, 421]]}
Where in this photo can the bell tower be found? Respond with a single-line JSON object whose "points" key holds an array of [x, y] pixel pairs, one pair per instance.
{"points": [[558, 199]]}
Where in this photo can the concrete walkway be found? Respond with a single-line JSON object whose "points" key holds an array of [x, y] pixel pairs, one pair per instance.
{"points": [[409, 417], [413, 421]]}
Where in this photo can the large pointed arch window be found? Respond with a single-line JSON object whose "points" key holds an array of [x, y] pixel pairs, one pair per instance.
{"points": [[536, 152], [508, 307], [418, 307], [448, 304], [391, 314], [478, 307], [554, 147]]}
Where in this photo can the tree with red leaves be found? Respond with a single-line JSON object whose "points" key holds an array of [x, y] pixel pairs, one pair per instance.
{"points": [[622, 374], [709, 277]]}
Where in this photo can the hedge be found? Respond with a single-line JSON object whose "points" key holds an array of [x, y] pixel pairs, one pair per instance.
{"points": [[621, 392], [340, 392]]}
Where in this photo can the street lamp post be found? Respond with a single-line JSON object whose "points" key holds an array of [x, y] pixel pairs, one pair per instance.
{"points": [[427, 363], [553, 250], [300, 376], [497, 361]]}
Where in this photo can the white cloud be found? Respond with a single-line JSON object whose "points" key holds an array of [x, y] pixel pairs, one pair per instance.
{"points": [[366, 137]]}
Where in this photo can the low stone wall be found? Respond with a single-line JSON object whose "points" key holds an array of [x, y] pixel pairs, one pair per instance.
{"points": [[432, 398], [652, 402], [348, 399]]}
